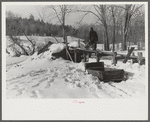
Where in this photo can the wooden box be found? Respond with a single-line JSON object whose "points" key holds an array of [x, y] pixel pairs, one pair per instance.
{"points": [[96, 65], [108, 74]]}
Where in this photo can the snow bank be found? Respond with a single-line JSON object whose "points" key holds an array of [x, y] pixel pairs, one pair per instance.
{"points": [[42, 78], [39, 77], [55, 48], [76, 44]]}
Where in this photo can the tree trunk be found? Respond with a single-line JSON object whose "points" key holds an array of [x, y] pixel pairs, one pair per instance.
{"points": [[107, 40], [106, 44], [126, 28], [125, 34], [33, 46], [103, 39], [124, 45], [24, 51], [63, 23], [113, 40], [64, 34]]}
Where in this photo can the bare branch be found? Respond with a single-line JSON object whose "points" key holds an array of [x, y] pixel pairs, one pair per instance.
{"points": [[89, 12], [57, 14], [98, 22], [97, 9], [83, 17], [122, 7], [136, 9]]}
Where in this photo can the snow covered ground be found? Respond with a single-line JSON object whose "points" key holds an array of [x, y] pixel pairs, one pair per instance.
{"points": [[38, 76]]}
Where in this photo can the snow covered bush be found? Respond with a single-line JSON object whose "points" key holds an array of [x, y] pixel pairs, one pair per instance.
{"points": [[55, 48], [76, 44]]}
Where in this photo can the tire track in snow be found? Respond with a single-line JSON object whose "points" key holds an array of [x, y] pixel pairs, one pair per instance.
{"points": [[120, 90], [102, 92]]}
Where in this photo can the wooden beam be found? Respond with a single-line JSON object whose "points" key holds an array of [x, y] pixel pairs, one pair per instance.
{"points": [[56, 39], [75, 56], [66, 47], [84, 57], [128, 55], [114, 59], [97, 56], [69, 55], [140, 58]]}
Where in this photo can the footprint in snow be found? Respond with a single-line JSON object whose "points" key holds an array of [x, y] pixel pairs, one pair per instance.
{"points": [[99, 87], [22, 82], [92, 89], [33, 94], [49, 83], [36, 85], [39, 72], [66, 80], [42, 80], [29, 81], [15, 88], [20, 91], [55, 75], [71, 68], [51, 80], [94, 94]]}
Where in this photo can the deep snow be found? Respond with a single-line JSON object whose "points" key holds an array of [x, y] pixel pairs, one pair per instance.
{"points": [[38, 76]]}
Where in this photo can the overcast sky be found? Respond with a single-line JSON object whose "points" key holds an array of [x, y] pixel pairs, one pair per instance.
{"points": [[26, 10]]}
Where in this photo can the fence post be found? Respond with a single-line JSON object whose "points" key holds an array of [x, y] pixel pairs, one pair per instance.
{"points": [[140, 57], [114, 59]]}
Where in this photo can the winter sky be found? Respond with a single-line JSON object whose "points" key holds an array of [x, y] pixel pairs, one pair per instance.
{"points": [[26, 10]]}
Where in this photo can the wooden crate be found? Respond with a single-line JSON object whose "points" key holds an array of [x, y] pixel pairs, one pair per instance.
{"points": [[108, 74], [97, 65]]}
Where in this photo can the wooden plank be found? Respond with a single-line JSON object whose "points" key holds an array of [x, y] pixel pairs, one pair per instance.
{"points": [[128, 55], [140, 58], [97, 57], [66, 47], [114, 59], [108, 74], [69, 55], [122, 56], [56, 39], [90, 65], [84, 57], [85, 50], [75, 56]]}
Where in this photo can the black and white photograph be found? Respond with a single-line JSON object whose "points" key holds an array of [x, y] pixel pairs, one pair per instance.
{"points": [[76, 51]]}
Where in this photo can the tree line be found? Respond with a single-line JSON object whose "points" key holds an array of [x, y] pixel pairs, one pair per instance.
{"points": [[115, 23], [18, 26]]}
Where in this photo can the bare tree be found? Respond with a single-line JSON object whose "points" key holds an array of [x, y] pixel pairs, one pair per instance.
{"points": [[14, 39], [44, 14], [115, 17], [114, 24], [100, 12], [17, 42], [129, 11], [61, 12]]}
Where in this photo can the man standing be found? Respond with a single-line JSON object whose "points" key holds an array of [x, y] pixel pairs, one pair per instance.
{"points": [[93, 39]]}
